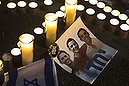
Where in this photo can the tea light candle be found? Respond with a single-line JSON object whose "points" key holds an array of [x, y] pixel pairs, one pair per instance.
{"points": [[107, 9], [60, 14], [80, 7], [70, 11], [115, 12], [124, 30], [90, 11], [100, 5], [101, 16], [26, 45], [113, 24], [33, 5], [127, 21], [93, 2], [51, 20], [38, 30], [15, 51], [21, 4], [48, 2], [123, 16], [62, 8], [114, 21], [11, 5]]}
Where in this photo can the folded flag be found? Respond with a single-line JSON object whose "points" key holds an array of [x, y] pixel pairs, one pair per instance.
{"points": [[39, 73]]}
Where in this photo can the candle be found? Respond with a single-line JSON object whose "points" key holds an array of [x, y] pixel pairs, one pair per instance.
{"points": [[127, 21], [113, 25], [123, 16], [1, 66], [48, 2], [38, 30], [51, 20], [70, 11], [93, 2], [21, 7], [26, 45], [115, 12], [101, 16], [100, 5], [107, 9], [11, 5], [124, 30]]}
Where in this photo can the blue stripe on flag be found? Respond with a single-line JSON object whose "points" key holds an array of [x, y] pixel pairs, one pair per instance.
{"points": [[48, 72], [12, 77]]}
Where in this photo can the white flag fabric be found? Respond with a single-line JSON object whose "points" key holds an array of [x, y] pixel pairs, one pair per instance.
{"points": [[39, 73]]}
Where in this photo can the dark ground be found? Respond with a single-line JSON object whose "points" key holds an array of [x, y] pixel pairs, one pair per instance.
{"points": [[12, 25]]}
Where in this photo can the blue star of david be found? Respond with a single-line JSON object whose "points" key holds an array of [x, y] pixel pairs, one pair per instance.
{"points": [[33, 82]]}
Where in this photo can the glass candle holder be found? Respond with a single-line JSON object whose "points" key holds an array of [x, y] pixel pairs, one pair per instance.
{"points": [[26, 45], [51, 20], [70, 11]]}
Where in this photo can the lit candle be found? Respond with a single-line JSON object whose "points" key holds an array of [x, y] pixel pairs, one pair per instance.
{"points": [[11, 5], [123, 16], [70, 11], [107, 9], [127, 21], [124, 30], [51, 20], [26, 45], [48, 2], [21, 7], [101, 16], [100, 5], [38, 30], [1, 66], [93, 2], [113, 24], [115, 12]]}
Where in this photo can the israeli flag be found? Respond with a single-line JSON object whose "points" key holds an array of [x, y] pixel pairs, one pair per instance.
{"points": [[40, 73]]}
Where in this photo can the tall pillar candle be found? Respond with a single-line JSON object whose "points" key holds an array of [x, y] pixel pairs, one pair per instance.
{"points": [[51, 20], [26, 45], [70, 11]]}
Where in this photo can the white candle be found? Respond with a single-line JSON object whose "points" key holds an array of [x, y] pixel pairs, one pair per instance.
{"points": [[11, 5], [70, 11], [90, 11], [48, 2], [107, 9], [33, 5], [21, 4], [26, 45], [124, 27], [38, 30], [80, 7], [127, 21], [115, 12], [93, 2], [101, 16], [114, 21], [51, 20], [15, 51], [123, 16], [100, 5]]}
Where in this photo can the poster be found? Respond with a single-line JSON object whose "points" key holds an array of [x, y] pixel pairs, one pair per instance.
{"points": [[81, 53]]}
